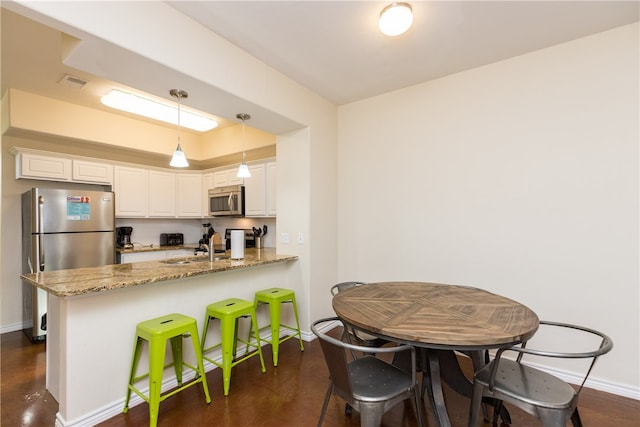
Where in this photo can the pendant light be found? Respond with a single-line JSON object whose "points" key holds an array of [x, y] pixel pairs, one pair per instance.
{"points": [[179, 160], [395, 19], [243, 170]]}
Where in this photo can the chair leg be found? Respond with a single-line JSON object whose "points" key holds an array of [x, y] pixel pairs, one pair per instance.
{"points": [[476, 401], [575, 419], [418, 401], [371, 414], [327, 396]]}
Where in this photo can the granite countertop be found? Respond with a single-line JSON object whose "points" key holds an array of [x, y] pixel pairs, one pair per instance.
{"points": [[81, 281]]}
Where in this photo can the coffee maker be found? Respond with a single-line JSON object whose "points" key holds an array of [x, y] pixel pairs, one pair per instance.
{"points": [[123, 237]]}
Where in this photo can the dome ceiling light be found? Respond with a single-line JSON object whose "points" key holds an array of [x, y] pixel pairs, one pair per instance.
{"points": [[395, 19]]}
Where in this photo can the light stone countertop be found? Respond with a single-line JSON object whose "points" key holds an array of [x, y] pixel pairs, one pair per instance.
{"points": [[81, 281]]}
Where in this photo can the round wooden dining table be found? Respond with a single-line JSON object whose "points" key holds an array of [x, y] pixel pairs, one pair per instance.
{"points": [[441, 319]]}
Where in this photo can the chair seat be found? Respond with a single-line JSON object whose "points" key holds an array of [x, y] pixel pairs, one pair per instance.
{"points": [[387, 382], [528, 384]]}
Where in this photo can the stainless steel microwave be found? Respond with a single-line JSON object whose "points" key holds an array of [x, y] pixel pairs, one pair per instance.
{"points": [[226, 201]]}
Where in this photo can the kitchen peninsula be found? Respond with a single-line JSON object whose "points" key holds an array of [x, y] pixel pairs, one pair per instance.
{"points": [[93, 313]]}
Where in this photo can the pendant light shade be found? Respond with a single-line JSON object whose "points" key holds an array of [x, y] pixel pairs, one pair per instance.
{"points": [[179, 160], [243, 170], [395, 19]]}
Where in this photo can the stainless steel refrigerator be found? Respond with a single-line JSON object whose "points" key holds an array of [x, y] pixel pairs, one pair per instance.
{"points": [[62, 229]]}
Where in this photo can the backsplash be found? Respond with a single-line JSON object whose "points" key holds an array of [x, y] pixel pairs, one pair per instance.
{"points": [[146, 231]]}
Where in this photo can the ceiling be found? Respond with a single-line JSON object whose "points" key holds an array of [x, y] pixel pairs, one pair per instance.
{"points": [[334, 48]]}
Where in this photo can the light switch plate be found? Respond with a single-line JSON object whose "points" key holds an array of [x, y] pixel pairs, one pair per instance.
{"points": [[284, 238], [300, 238]]}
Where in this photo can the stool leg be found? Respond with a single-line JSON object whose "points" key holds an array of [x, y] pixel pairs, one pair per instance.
{"points": [[157, 348], [176, 351], [137, 349], [274, 313], [228, 345], [201, 372], [295, 312], [254, 323]]}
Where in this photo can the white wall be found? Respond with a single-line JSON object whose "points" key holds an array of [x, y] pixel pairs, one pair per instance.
{"points": [[520, 177]]}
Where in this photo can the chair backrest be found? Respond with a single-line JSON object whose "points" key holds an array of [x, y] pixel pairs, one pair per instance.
{"points": [[336, 358], [336, 354], [605, 344], [335, 289]]}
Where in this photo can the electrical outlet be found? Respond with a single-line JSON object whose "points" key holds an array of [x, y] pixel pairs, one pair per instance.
{"points": [[284, 238], [300, 238]]}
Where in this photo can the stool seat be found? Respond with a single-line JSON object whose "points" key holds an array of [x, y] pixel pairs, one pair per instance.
{"points": [[275, 297], [173, 327], [228, 312]]}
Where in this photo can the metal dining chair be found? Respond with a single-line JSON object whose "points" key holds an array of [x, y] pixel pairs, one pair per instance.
{"points": [[351, 333], [368, 384], [539, 393]]}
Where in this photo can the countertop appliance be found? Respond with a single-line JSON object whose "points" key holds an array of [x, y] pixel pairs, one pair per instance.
{"points": [[249, 237], [226, 201], [123, 237], [62, 229], [171, 239]]}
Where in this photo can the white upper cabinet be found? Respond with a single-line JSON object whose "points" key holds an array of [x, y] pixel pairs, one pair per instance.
{"points": [[207, 184], [260, 190], [271, 185], [162, 194], [189, 195], [226, 177], [131, 187], [92, 172], [37, 166]]}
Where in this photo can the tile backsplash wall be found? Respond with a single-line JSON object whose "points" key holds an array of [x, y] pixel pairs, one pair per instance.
{"points": [[146, 231]]}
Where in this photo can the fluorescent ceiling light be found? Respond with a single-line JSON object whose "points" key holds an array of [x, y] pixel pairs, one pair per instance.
{"points": [[155, 110]]}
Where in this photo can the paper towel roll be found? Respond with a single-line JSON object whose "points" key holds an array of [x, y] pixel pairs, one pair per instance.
{"points": [[237, 244]]}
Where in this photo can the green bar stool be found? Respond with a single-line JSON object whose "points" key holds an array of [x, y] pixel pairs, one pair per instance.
{"points": [[156, 332], [228, 312], [275, 297]]}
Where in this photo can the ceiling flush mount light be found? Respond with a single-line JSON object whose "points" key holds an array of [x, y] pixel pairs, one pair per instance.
{"points": [[136, 104], [243, 170], [179, 160], [395, 19]]}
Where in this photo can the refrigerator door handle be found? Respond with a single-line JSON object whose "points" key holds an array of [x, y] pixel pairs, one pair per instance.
{"points": [[41, 233]]}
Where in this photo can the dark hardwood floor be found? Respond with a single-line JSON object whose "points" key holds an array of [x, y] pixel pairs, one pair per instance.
{"points": [[289, 395]]}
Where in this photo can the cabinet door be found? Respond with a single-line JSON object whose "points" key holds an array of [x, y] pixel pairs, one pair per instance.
{"points": [[162, 194], [271, 188], [226, 177], [207, 183], [35, 166], [255, 188], [189, 195], [233, 177], [132, 191], [93, 172], [220, 178]]}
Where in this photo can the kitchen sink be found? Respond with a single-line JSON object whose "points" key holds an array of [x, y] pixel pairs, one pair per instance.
{"points": [[196, 259]]}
